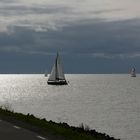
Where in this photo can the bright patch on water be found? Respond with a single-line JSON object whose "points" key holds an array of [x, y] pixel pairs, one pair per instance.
{"points": [[108, 103]]}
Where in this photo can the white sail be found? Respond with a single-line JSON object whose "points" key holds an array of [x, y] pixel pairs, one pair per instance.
{"points": [[60, 74], [52, 76]]}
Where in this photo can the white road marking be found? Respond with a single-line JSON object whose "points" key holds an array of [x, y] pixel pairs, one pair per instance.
{"points": [[40, 137], [17, 127]]}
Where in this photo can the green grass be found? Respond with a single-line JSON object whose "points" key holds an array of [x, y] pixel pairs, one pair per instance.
{"points": [[57, 130]]}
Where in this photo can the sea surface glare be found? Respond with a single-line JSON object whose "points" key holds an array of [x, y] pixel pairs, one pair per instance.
{"points": [[109, 103]]}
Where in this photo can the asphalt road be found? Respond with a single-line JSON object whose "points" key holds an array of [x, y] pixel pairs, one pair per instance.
{"points": [[10, 131]]}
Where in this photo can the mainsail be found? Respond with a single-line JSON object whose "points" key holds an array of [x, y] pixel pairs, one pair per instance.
{"points": [[57, 75]]}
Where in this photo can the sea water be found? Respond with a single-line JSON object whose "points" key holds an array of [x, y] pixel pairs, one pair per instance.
{"points": [[108, 103]]}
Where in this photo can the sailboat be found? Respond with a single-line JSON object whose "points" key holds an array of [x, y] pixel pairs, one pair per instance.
{"points": [[57, 76], [133, 72], [46, 73]]}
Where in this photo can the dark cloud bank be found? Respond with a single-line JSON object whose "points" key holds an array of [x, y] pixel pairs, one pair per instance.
{"points": [[88, 47]]}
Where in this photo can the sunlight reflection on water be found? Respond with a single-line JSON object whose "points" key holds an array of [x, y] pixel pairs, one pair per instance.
{"points": [[105, 102]]}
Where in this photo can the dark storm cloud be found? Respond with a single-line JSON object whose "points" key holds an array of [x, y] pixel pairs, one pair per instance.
{"points": [[19, 40], [91, 36], [88, 47], [97, 39]]}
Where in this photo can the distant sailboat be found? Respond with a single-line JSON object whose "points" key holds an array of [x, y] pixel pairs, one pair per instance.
{"points": [[57, 76], [133, 72], [46, 73]]}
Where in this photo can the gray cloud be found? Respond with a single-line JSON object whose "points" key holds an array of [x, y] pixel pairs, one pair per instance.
{"points": [[89, 34], [97, 39], [7, 1], [117, 55], [54, 14], [97, 12], [20, 10]]}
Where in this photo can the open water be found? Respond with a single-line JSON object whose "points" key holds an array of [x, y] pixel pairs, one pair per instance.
{"points": [[109, 103]]}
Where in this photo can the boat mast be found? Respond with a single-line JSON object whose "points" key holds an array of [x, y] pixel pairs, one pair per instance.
{"points": [[56, 67]]}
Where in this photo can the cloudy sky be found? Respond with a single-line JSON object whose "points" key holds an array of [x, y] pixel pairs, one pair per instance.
{"points": [[92, 36]]}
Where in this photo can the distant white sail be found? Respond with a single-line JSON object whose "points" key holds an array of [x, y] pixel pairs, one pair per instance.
{"points": [[57, 75], [133, 72], [46, 73]]}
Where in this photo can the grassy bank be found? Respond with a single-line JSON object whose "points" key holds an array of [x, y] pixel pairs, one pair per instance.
{"points": [[54, 130]]}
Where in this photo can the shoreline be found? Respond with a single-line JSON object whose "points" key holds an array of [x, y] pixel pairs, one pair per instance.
{"points": [[50, 129]]}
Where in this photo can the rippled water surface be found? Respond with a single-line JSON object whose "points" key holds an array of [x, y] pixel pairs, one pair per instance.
{"points": [[106, 102]]}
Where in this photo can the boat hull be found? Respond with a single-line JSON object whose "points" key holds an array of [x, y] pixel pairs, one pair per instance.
{"points": [[57, 82], [133, 75]]}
